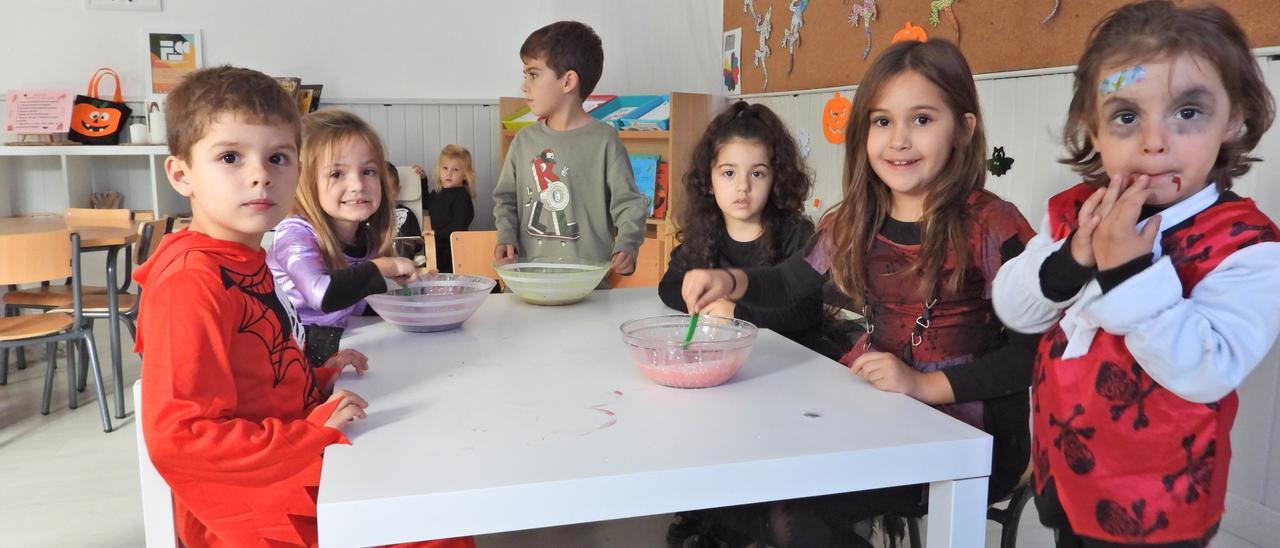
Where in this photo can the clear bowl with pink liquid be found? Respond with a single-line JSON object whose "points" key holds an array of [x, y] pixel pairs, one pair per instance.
{"points": [[714, 355]]}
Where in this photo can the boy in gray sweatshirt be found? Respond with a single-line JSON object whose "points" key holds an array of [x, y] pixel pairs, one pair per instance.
{"points": [[566, 188]]}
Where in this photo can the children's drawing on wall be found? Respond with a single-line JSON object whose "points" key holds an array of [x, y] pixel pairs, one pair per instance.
{"points": [[1052, 12], [172, 56], [936, 7], [764, 27], [802, 142], [791, 35], [999, 163], [863, 14], [731, 55]]}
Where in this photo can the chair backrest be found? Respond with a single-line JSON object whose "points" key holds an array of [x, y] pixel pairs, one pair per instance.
{"points": [[410, 191], [473, 252], [149, 235], [648, 267], [157, 499], [35, 257], [81, 215]]}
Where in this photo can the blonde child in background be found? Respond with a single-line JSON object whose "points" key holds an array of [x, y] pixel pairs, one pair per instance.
{"points": [[450, 207]]}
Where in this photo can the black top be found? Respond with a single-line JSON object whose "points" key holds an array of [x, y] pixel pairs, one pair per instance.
{"points": [[450, 209], [349, 285], [735, 254], [999, 378]]}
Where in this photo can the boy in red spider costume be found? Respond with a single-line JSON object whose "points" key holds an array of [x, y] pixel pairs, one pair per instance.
{"points": [[234, 418]]}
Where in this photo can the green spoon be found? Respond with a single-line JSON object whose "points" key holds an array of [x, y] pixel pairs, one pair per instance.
{"points": [[688, 336]]}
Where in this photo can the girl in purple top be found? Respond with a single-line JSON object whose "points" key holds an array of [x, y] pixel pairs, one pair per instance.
{"points": [[335, 249]]}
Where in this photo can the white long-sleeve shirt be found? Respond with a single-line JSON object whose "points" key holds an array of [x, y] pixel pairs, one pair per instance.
{"points": [[1200, 347]]}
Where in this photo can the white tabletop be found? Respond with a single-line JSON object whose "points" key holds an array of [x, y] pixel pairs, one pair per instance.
{"points": [[533, 416]]}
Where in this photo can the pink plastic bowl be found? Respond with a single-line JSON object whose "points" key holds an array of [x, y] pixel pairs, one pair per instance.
{"points": [[717, 352]]}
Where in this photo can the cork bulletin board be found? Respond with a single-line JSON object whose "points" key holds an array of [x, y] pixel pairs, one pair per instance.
{"points": [[995, 35]]}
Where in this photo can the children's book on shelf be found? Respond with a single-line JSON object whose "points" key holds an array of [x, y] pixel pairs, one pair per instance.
{"points": [[645, 169], [661, 190]]}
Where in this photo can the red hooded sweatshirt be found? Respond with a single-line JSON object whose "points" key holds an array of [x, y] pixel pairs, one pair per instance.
{"points": [[232, 413]]}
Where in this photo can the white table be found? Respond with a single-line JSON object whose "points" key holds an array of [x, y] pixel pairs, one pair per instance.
{"points": [[504, 425]]}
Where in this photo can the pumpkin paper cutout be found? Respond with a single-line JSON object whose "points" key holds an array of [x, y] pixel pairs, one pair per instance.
{"points": [[910, 32], [835, 118]]}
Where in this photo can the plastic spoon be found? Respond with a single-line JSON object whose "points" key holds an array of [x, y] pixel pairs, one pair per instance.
{"points": [[688, 336]]}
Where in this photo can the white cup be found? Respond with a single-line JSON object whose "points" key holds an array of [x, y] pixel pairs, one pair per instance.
{"points": [[138, 133], [156, 120]]}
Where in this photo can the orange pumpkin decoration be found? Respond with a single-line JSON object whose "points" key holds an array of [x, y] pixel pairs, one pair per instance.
{"points": [[910, 32], [91, 120], [835, 118]]}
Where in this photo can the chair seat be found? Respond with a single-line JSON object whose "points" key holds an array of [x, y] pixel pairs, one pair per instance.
{"points": [[26, 327], [98, 303], [52, 296]]}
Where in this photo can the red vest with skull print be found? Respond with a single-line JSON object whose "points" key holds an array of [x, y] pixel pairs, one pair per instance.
{"points": [[1132, 461]]}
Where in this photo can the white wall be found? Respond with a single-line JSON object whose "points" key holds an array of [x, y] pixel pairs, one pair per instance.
{"points": [[1025, 115], [405, 49]]}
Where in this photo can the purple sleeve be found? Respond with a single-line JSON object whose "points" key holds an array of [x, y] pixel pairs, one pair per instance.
{"points": [[296, 253], [820, 256]]}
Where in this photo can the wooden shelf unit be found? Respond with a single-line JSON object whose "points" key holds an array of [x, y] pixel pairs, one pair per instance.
{"points": [[690, 113]]}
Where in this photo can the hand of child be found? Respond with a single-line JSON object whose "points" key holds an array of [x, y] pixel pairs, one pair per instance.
{"points": [[702, 286], [887, 372], [351, 408], [1117, 240], [345, 358], [723, 308], [1082, 241], [399, 269], [505, 253], [418, 170], [624, 263]]}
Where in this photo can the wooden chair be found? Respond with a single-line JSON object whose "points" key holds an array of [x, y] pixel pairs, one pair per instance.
{"points": [[429, 248], [87, 216], [31, 258], [49, 296], [96, 306], [473, 252], [648, 267]]}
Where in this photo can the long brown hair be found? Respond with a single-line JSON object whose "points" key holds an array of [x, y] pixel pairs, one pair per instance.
{"points": [[701, 221], [856, 220], [1159, 29], [322, 132]]}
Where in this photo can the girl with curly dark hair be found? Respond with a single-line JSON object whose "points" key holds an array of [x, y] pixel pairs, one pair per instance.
{"points": [[744, 208]]}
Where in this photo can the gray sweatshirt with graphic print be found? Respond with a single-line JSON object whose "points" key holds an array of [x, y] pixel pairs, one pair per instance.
{"points": [[568, 194]]}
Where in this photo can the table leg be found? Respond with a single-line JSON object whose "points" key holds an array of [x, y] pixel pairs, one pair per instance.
{"points": [[113, 326], [957, 513]]}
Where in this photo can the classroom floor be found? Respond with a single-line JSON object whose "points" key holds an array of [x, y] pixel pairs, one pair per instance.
{"points": [[65, 483]]}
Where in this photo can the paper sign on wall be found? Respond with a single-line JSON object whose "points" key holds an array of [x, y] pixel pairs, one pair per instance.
{"points": [[38, 111]]}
